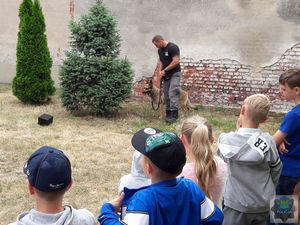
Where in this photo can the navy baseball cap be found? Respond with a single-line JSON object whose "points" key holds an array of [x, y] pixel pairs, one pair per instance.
{"points": [[48, 169], [164, 149]]}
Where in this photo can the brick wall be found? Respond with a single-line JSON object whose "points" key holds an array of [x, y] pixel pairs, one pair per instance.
{"points": [[226, 83]]}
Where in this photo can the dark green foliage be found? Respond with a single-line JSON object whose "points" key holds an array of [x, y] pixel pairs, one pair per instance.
{"points": [[32, 83], [96, 33], [93, 79], [95, 85]]}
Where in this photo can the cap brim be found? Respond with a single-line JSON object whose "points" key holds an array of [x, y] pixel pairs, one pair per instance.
{"points": [[138, 140]]}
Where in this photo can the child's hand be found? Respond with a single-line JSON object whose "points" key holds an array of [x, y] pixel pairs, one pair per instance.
{"points": [[117, 202], [282, 149]]}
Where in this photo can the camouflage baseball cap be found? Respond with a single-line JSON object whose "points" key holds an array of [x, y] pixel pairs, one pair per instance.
{"points": [[166, 151]]}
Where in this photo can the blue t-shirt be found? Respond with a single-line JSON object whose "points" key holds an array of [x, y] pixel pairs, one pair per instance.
{"points": [[179, 201], [291, 126]]}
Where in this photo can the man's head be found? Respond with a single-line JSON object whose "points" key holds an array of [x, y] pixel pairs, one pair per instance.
{"points": [[256, 108], [164, 150], [159, 41], [48, 170], [290, 84]]}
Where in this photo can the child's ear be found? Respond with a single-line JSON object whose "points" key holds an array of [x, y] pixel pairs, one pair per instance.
{"points": [[145, 166], [70, 185], [243, 110], [30, 188], [297, 90], [212, 140], [149, 168], [183, 139]]}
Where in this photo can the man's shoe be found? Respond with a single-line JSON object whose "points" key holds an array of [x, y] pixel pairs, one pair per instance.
{"points": [[173, 116], [168, 115]]}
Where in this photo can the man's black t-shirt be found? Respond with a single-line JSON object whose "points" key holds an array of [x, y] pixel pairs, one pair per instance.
{"points": [[166, 55]]}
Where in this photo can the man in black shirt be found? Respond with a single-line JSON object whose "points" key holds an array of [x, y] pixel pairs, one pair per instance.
{"points": [[169, 70]]}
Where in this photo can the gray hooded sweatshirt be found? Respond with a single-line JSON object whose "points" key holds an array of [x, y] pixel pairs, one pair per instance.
{"points": [[254, 169], [137, 178], [69, 216]]}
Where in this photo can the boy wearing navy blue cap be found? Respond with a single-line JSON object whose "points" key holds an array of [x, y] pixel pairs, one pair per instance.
{"points": [[168, 200], [49, 175]]}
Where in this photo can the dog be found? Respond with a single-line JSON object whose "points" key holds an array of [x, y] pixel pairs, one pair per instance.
{"points": [[153, 92]]}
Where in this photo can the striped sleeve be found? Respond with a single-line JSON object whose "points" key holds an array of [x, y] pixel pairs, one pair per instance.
{"points": [[275, 163], [108, 216], [210, 213], [136, 218]]}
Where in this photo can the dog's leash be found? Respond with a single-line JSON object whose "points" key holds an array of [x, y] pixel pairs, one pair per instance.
{"points": [[159, 97]]}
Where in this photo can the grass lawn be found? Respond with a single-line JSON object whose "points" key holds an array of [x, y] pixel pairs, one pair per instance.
{"points": [[99, 148]]}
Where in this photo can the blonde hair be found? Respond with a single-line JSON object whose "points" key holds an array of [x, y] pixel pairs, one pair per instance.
{"points": [[198, 132], [258, 106]]}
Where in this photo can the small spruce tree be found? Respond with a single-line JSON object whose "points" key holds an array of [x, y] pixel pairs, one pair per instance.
{"points": [[32, 83], [93, 79]]}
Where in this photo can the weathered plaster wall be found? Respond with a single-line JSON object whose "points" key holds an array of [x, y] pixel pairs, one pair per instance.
{"points": [[57, 16], [252, 32]]}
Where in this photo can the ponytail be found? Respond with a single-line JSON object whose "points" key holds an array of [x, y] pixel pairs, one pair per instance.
{"points": [[199, 134]]}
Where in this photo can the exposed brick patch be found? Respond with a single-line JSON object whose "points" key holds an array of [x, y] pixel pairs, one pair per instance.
{"points": [[138, 88], [226, 82], [72, 8]]}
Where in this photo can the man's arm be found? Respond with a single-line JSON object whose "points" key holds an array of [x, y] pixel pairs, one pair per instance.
{"points": [[173, 64], [159, 75], [159, 66]]}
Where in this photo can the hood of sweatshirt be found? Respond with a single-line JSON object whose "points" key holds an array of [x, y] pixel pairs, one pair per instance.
{"points": [[246, 146], [34, 217], [136, 165]]}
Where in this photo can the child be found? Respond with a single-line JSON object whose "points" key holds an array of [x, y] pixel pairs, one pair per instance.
{"points": [[288, 135], [168, 200], [253, 163], [48, 171], [205, 169], [137, 177]]}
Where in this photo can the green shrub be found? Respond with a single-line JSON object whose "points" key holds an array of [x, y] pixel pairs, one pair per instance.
{"points": [[32, 83], [93, 79]]}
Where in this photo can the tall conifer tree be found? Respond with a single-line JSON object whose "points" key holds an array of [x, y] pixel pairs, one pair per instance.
{"points": [[32, 83], [93, 79]]}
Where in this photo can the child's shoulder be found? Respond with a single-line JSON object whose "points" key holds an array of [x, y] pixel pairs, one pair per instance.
{"points": [[228, 134], [191, 186], [293, 113], [82, 216]]}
